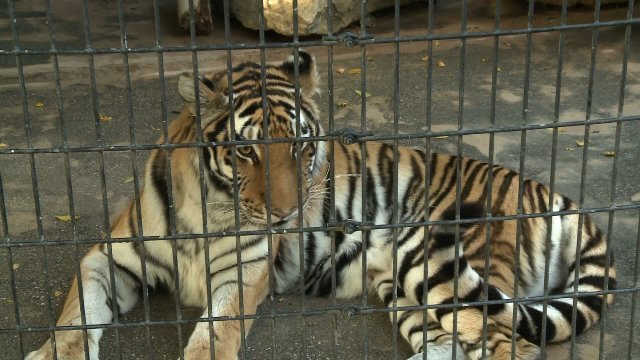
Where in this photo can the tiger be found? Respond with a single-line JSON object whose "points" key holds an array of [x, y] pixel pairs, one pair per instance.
{"points": [[268, 122]]}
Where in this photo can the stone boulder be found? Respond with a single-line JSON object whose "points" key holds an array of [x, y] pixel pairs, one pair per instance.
{"points": [[312, 14]]}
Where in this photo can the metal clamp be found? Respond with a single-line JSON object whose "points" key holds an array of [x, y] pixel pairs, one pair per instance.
{"points": [[347, 39], [350, 136]]}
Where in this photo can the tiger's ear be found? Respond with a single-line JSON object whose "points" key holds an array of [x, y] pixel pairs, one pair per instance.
{"points": [[306, 69], [210, 98]]}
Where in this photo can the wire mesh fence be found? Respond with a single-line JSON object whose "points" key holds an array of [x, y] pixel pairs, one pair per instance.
{"points": [[89, 88]]}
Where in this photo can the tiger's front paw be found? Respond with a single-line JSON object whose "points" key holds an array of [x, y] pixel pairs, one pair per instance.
{"points": [[66, 350]]}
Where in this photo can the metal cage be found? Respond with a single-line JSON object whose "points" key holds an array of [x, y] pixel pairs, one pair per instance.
{"points": [[500, 82]]}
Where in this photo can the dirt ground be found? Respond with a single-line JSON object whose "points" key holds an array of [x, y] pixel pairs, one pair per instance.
{"points": [[42, 276]]}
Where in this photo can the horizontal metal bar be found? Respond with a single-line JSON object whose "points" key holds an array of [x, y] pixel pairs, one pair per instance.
{"points": [[352, 309], [401, 136], [363, 227], [310, 43]]}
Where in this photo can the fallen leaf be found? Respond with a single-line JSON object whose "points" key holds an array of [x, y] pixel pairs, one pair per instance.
{"points": [[370, 59], [57, 293], [580, 143], [65, 217], [426, 58], [105, 118], [39, 104], [498, 69], [595, 132], [508, 45], [282, 300], [103, 235], [570, 149], [437, 43], [3, 145], [441, 137], [16, 266], [609, 153], [441, 64], [341, 104], [359, 93], [355, 71], [340, 70], [561, 130], [483, 60], [154, 128], [128, 180]]}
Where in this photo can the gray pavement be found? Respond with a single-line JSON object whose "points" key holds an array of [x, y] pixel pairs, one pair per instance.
{"points": [[42, 279]]}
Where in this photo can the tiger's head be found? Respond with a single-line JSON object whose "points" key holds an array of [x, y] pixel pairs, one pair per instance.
{"points": [[247, 125]]}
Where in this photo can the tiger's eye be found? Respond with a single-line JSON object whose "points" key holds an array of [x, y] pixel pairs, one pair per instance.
{"points": [[246, 151]]}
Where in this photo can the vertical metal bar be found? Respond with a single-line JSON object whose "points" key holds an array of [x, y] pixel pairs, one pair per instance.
{"points": [[614, 173], [489, 186], [206, 241], [521, 171], [134, 167], [634, 296], [267, 160], [68, 178], [234, 165], [552, 177], [301, 252], [427, 177], [459, 175], [636, 272], [102, 173], [34, 176], [396, 159], [168, 173], [363, 173], [12, 279], [583, 176], [332, 178]]}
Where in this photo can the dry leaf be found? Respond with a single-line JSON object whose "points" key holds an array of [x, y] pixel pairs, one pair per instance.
{"points": [[426, 58], [483, 60], [57, 293], [498, 69], [152, 128], [103, 235], [437, 43], [441, 64], [39, 104], [508, 45], [105, 118], [341, 104], [370, 59], [580, 143], [441, 137], [15, 267], [65, 217], [569, 149], [359, 93], [595, 132], [355, 71], [609, 153], [3, 145], [128, 180], [340, 70]]}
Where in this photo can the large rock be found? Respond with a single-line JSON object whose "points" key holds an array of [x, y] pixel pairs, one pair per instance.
{"points": [[312, 14]]}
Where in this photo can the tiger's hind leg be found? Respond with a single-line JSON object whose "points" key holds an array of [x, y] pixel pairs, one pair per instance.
{"points": [[97, 296]]}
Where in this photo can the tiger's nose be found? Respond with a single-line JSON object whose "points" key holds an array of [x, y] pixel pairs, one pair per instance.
{"points": [[283, 213]]}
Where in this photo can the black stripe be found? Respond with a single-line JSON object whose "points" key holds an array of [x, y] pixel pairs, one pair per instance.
{"points": [[443, 190], [595, 281], [473, 295], [566, 311], [470, 181], [243, 263], [505, 186], [159, 180]]}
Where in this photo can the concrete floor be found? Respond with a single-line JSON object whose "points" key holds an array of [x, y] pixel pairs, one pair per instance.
{"points": [[313, 337]]}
